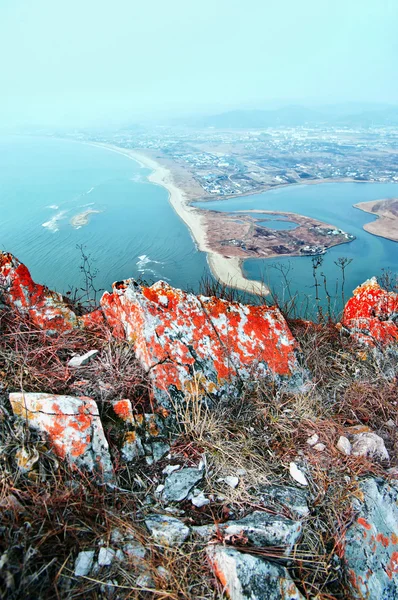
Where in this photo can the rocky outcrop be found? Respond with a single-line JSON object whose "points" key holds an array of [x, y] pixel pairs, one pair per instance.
{"points": [[371, 315], [72, 426], [194, 345], [45, 308], [371, 543]]}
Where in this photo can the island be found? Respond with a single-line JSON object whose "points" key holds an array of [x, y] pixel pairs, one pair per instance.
{"points": [[82, 218], [386, 225]]}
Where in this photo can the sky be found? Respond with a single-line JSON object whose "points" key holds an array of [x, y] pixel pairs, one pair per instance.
{"points": [[86, 62]]}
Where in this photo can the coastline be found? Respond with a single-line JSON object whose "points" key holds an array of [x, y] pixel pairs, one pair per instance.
{"points": [[386, 222], [226, 270]]}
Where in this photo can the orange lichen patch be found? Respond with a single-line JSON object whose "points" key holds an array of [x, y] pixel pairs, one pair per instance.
{"points": [[92, 320], [130, 436], [368, 315], [394, 539], [392, 567], [364, 523], [383, 539], [124, 410]]}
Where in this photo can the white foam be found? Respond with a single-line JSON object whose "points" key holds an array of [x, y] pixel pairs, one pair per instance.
{"points": [[52, 224]]}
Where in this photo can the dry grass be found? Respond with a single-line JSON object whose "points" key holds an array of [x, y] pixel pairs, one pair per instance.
{"points": [[51, 514]]}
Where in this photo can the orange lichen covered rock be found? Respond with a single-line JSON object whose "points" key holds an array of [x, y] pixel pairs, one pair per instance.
{"points": [[371, 315], [45, 308], [371, 542], [197, 345], [72, 426]]}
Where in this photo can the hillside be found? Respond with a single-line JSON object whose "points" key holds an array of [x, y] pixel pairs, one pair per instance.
{"points": [[168, 445]]}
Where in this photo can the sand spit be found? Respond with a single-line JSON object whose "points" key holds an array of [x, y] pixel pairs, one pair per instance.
{"points": [[82, 218], [227, 270], [386, 224]]}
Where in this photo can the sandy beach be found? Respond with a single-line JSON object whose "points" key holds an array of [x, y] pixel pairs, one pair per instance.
{"points": [[226, 270]]}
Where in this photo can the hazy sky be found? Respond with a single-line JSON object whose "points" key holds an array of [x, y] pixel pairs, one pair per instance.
{"points": [[86, 61]]}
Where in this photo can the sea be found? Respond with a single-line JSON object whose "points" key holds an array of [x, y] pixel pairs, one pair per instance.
{"points": [[133, 230], [45, 182], [292, 280]]}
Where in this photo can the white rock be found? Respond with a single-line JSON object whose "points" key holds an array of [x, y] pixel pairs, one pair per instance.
{"points": [[200, 500], [369, 444], [145, 581], [170, 469], [232, 481], [241, 472], [79, 361], [105, 557], [84, 562], [297, 474], [344, 445], [159, 489], [390, 423], [313, 439], [320, 447]]}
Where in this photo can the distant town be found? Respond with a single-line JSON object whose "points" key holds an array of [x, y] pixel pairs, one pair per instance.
{"points": [[232, 162]]}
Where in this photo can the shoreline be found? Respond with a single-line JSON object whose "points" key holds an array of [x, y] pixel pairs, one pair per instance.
{"points": [[384, 223], [228, 271]]}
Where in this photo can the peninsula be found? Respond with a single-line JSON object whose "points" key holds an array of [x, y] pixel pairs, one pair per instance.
{"points": [[230, 238], [386, 225]]}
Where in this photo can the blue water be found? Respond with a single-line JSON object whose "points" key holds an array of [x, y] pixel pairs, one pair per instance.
{"points": [[136, 234], [333, 204]]}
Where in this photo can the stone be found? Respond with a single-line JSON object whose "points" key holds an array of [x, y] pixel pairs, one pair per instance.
{"points": [[84, 563], [258, 528], [200, 500], [170, 469], [231, 481], [180, 483], [264, 529], [84, 359], [369, 444], [106, 557], [132, 447], [166, 530], [371, 542], [297, 474], [159, 450], [145, 581], [320, 447], [72, 425], [344, 445], [370, 316], [248, 577], [197, 345], [311, 441], [286, 498], [46, 309]]}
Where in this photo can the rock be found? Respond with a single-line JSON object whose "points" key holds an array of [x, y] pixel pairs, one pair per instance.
{"points": [[167, 531], [264, 529], [313, 439], [72, 425], [370, 315], [188, 343], [231, 481], [259, 528], [248, 577], [132, 447], [134, 551], [170, 469], [46, 309], [344, 445], [370, 445], [297, 474], [180, 483], [26, 459], [285, 498], [145, 581], [320, 447], [84, 563], [106, 557], [158, 450], [200, 500], [371, 543], [79, 361]]}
